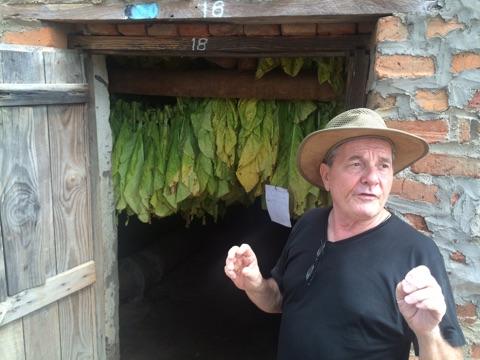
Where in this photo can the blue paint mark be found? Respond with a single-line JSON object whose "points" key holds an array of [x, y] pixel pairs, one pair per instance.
{"points": [[141, 11]]}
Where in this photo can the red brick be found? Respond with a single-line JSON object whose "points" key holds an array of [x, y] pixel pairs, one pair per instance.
{"points": [[102, 29], [467, 313], [413, 190], [464, 131], [299, 29], [465, 61], [365, 27], [432, 131], [246, 64], [447, 165], [438, 27], [162, 30], [193, 30], [457, 256], [262, 30], [225, 29], [454, 198], [417, 221], [432, 100], [475, 101], [475, 351], [45, 36], [336, 28], [403, 66], [376, 101], [132, 29], [391, 28]]}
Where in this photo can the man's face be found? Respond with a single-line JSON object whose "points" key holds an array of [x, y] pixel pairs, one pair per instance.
{"points": [[360, 178]]}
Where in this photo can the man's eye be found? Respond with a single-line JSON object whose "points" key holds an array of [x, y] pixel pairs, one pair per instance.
{"points": [[386, 166]]}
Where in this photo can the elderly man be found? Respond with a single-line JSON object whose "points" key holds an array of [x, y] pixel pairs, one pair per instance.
{"points": [[353, 280]]}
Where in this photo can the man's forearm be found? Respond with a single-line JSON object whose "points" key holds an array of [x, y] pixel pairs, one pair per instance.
{"points": [[434, 347], [267, 296]]}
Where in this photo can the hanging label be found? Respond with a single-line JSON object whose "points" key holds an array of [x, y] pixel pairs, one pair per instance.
{"points": [[141, 11], [277, 204]]}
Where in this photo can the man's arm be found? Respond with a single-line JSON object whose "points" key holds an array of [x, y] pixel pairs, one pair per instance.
{"points": [[434, 347], [241, 267], [422, 304]]}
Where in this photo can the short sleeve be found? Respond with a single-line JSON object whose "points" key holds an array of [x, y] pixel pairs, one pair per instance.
{"points": [[449, 326]]}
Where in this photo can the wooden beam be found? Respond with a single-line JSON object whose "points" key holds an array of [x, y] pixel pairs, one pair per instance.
{"points": [[55, 288], [42, 94], [219, 84], [219, 46], [356, 90], [255, 11]]}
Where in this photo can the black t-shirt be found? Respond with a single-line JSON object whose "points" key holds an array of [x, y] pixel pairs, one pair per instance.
{"points": [[349, 310]]}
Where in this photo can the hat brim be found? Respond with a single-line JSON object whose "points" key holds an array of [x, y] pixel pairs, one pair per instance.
{"points": [[408, 148]]}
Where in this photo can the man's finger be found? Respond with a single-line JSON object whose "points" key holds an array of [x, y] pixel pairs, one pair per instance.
{"points": [[424, 294], [232, 252], [419, 278]]}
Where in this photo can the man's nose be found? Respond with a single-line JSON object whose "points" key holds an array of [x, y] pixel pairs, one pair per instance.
{"points": [[370, 175]]}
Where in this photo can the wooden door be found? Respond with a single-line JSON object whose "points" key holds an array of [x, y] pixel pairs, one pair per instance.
{"points": [[47, 268]]}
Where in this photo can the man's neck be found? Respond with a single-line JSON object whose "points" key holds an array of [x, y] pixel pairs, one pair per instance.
{"points": [[341, 228]]}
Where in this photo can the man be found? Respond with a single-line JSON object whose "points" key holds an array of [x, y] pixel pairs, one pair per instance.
{"points": [[354, 281]]}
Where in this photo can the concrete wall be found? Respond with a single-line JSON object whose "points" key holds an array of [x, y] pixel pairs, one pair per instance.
{"points": [[426, 79]]}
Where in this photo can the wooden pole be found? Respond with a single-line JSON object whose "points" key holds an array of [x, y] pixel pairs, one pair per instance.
{"points": [[219, 84]]}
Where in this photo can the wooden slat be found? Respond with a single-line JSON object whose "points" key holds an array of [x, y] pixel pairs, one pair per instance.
{"points": [[42, 333], [356, 90], [228, 84], [11, 341], [24, 185], [3, 277], [103, 210], [219, 46], [55, 288], [42, 94], [72, 220], [233, 11]]}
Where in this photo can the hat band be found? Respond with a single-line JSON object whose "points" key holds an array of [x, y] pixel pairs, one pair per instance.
{"points": [[327, 159]]}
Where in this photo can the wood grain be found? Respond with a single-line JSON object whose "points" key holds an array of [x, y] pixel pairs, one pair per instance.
{"points": [[72, 219], [11, 341], [25, 195], [57, 287], [356, 89], [219, 46], [219, 84], [234, 11], [42, 94]]}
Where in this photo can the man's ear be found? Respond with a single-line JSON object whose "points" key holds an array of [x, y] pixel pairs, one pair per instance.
{"points": [[324, 173]]}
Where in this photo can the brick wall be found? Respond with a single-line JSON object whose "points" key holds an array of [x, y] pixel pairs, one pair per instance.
{"points": [[426, 79]]}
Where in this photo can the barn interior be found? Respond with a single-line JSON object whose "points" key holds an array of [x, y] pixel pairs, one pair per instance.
{"points": [[175, 301]]}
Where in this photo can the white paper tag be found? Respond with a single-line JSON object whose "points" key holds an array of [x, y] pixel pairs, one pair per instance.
{"points": [[277, 204]]}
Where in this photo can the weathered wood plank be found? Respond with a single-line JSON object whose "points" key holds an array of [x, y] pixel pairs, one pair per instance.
{"points": [[55, 288], [72, 219], [11, 341], [225, 11], [42, 333], [24, 179], [42, 94], [103, 210], [219, 46], [227, 84], [356, 89], [3, 276]]}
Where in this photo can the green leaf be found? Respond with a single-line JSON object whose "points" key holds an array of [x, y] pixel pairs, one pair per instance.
{"points": [[265, 65], [292, 66]]}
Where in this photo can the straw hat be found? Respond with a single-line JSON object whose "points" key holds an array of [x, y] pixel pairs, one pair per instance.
{"points": [[353, 124]]}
